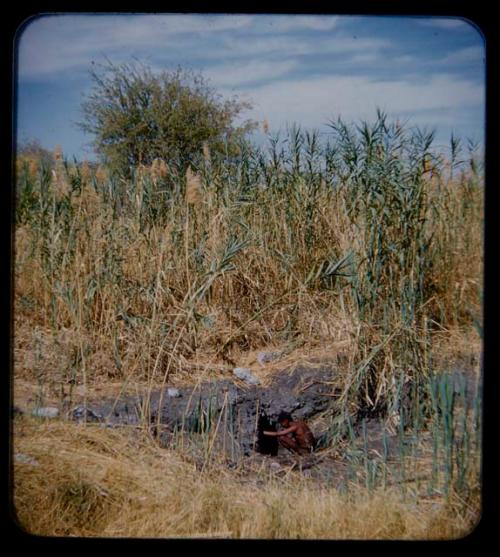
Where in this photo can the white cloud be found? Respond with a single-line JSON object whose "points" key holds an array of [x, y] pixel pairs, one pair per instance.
{"points": [[290, 45], [234, 75], [61, 43], [470, 54], [51, 45], [237, 52], [443, 23], [280, 24], [313, 102]]}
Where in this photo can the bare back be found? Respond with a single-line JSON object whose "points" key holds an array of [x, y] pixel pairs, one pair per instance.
{"points": [[303, 435]]}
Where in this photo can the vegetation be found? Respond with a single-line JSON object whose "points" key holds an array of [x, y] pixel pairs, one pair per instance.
{"points": [[366, 246], [32, 151], [112, 483], [137, 116]]}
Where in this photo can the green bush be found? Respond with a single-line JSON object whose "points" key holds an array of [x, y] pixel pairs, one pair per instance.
{"points": [[136, 116]]}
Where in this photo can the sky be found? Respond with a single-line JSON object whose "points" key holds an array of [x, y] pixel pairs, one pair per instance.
{"points": [[426, 71]]}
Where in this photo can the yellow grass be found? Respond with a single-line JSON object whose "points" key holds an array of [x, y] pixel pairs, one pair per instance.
{"points": [[91, 481], [106, 302]]}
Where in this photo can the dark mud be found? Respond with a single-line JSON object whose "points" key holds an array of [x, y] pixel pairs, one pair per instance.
{"points": [[236, 410], [233, 415]]}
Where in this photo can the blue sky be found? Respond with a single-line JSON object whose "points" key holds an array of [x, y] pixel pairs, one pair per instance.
{"points": [[304, 69]]}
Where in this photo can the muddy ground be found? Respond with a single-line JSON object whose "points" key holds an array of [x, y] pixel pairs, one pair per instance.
{"points": [[235, 406], [232, 412]]}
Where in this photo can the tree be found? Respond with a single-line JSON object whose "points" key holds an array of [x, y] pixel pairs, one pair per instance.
{"points": [[136, 116], [32, 150]]}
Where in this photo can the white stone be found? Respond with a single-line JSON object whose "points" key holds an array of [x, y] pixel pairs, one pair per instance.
{"points": [[46, 412], [25, 459], [246, 375], [174, 393], [266, 357]]}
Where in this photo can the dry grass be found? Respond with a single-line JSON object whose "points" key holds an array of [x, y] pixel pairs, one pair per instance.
{"points": [[91, 481], [350, 255]]}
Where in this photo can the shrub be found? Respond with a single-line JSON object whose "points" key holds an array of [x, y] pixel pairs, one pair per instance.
{"points": [[137, 116]]}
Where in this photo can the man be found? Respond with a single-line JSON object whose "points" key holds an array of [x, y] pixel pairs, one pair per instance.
{"points": [[295, 436]]}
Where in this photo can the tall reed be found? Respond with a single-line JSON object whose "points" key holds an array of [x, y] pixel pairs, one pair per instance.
{"points": [[363, 238]]}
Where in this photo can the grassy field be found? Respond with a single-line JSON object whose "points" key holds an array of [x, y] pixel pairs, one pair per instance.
{"points": [[367, 249], [107, 483]]}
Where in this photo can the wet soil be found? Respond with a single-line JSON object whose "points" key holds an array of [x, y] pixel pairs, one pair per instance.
{"points": [[235, 413], [236, 407]]}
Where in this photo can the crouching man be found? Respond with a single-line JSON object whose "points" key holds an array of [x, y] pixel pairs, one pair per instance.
{"points": [[296, 435]]}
